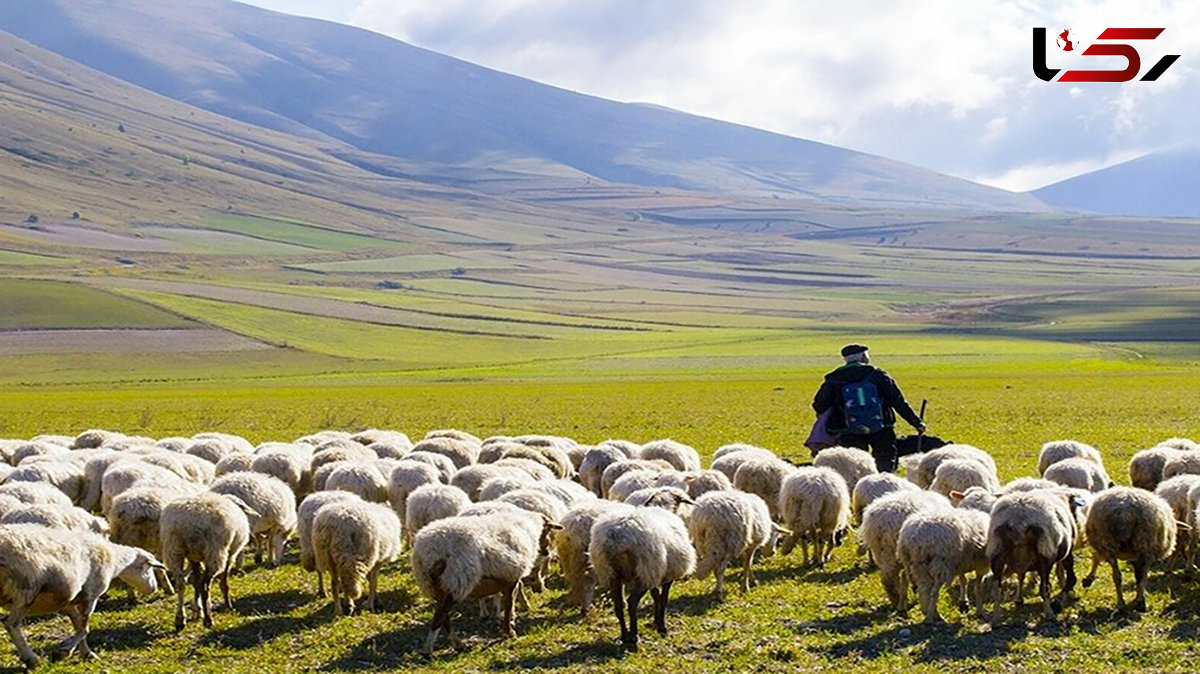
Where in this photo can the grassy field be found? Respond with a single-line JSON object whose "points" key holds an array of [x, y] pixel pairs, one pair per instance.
{"points": [[796, 619]]}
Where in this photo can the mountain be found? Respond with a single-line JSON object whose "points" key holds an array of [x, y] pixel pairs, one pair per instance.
{"points": [[326, 81], [1158, 184]]}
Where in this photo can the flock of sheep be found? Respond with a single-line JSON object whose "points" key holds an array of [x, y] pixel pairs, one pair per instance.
{"points": [[484, 519]]}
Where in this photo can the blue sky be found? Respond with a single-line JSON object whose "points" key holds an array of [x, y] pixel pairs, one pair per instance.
{"points": [[943, 84]]}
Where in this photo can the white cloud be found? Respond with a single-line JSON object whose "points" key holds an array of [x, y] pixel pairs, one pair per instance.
{"points": [[944, 84]]}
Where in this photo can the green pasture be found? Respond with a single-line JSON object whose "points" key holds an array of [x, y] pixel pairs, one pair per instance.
{"points": [[37, 304], [296, 233]]}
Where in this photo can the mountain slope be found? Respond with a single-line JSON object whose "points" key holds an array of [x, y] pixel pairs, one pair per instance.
{"points": [[324, 80], [1157, 184]]}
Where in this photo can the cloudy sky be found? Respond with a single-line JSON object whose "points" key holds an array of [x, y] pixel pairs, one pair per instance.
{"points": [[944, 84]]}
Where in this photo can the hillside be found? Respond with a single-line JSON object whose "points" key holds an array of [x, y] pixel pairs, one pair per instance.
{"points": [[322, 80], [1157, 184]]}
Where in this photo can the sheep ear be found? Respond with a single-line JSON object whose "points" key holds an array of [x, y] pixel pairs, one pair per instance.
{"points": [[783, 530], [686, 499], [689, 478], [155, 564], [245, 507], [547, 522], [1183, 525], [1077, 501], [956, 495]]}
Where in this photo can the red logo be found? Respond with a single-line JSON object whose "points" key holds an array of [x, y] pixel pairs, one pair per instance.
{"points": [[1133, 60]]}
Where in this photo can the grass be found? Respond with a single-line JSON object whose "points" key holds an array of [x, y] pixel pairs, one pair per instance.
{"points": [[405, 264], [18, 259], [34, 304], [296, 233], [795, 620]]}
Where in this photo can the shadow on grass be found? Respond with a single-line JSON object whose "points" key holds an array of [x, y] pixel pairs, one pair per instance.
{"points": [[282, 601], [125, 637], [597, 653], [387, 650]]}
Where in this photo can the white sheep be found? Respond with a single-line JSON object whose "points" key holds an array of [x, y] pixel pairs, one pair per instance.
{"points": [[233, 463], [961, 474], [1187, 463], [631, 482], [763, 477], [494, 488], [549, 507], [286, 463], [66, 476], [1126, 523], [975, 498], [679, 455], [628, 448], [29, 450], [643, 550], [1034, 531], [1182, 444], [728, 527], [67, 518], [668, 498], [406, 477], [704, 481], [1078, 473], [471, 478], [372, 436], [591, 470], [212, 449], [454, 433], [852, 464], [615, 470], [444, 465], [475, 557], [735, 447], [873, 487], [238, 442], [572, 542], [135, 514], [814, 503], [1176, 491], [305, 513], [174, 444], [936, 547], [880, 531], [274, 504], [460, 452], [929, 462], [361, 479], [350, 451], [94, 437], [430, 503], [351, 541], [1057, 450], [124, 475], [46, 570], [535, 470], [208, 530], [35, 492], [1027, 484], [1146, 466]]}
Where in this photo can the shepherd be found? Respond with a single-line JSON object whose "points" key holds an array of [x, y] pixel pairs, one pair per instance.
{"points": [[862, 401]]}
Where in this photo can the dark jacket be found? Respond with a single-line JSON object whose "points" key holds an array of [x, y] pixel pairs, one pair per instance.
{"points": [[830, 395]]}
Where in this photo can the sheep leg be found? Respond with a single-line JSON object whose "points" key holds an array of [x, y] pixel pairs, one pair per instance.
{"points": [[223, 578], [1067, 568], [507, 623], [819, 552], [964, 603], [180, 591], [204, 586], [618, 597], [1045, 566], [320, 584], [79, 616], [1139, 574], [1091, 576], [932, 594], [539, 575], [522, 597], [660, 608], [587, 592], [998, 575], [1116, 574], [372, 584], [12, 624], [441, 616], [719, 573], [748, 570], [335, 588], [635, 597]]}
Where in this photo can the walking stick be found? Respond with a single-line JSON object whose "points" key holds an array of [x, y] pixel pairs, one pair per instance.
{"points": [[921, 435]]}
